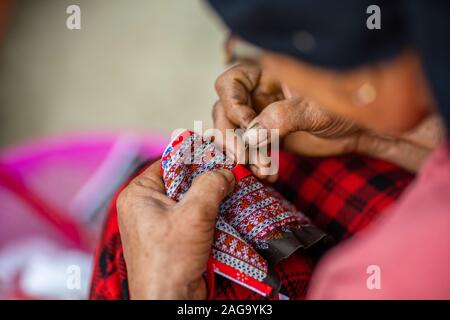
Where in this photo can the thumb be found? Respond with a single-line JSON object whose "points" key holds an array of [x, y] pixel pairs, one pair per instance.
{"points": [[206, 194], [285, 116]]}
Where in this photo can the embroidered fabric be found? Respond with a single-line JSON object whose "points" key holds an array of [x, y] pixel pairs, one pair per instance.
{"points": [[256, 227]]}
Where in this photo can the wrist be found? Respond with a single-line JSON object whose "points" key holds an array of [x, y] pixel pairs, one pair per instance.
{"points": [[395, 150], [164, 289], [371, 144], [160, 282]]}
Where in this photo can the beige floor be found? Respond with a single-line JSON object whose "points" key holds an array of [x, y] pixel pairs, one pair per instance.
{"points": [[135, 64]]}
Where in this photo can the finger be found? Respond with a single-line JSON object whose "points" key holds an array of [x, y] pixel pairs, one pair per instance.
{"points": [[263, 166], [220, 118], [230, 140], [206, 194], [260, 174], [151, 177], [234, 88], [268, 91], [234, 147], [150, 184], [311, 145], [255, 169], [284, 116]]}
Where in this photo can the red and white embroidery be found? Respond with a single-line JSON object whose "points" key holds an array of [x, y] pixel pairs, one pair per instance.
{"points": [[250, 220]]}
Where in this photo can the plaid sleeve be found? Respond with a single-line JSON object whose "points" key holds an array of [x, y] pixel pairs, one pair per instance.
{"points": [[341, 195]]}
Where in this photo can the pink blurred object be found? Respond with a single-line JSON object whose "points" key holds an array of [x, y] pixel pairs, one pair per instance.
{"points": [[55, 186], [54, 193]]}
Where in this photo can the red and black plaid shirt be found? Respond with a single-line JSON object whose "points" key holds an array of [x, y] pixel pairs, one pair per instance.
{"points": [[341, 195]]}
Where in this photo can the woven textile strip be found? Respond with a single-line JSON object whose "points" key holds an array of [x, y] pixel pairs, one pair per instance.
{"points": [[256, 228]]}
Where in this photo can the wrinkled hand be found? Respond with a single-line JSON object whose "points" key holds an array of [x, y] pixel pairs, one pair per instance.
{"points": [[166, 243], [252, 99]]}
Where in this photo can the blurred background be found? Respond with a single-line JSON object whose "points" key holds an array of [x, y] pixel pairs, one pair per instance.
{"points": [[140, 64], [79, 111]]}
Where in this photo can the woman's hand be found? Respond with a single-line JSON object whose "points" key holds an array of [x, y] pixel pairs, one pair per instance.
{"points": [[251, 99], [166, 243], [244, 90]]}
